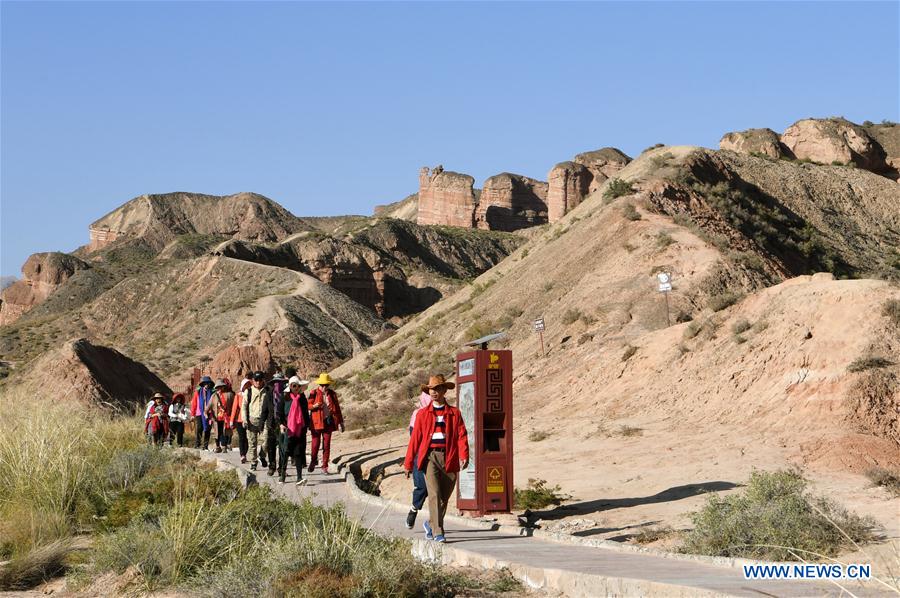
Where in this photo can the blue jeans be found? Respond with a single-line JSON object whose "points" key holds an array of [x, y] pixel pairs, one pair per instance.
{"points": [[420, 492]]}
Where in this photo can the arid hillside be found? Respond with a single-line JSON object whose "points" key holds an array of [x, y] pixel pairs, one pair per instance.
{"points": [[763, 363]]}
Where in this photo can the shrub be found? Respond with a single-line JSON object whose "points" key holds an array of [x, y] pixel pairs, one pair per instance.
{"points": [[538, 435], [571, 316], [35, 567], [868, 362], [774, 518], [630, 212], [629, 431], [652, 534], [617, 188], [889, 480], [537, 495], [723, 300], [740, 326], [653, 147], [630, 350], [891, 311], [663, 240]]}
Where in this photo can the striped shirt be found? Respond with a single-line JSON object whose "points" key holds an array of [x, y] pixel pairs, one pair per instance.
{"points": [[438, 438]]}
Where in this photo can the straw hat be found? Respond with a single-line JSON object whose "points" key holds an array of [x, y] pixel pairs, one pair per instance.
{"points": [[158, 395], [324, 379], [436, 381]]}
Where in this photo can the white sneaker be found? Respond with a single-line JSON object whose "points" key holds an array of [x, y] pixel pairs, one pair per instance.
{"points": [[302, 482]]}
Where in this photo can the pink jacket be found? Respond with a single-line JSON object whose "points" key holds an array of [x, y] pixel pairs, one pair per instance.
{"points": [[424, 401]]}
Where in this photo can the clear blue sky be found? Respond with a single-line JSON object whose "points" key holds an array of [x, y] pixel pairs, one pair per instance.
{"points": [[332, 108]]}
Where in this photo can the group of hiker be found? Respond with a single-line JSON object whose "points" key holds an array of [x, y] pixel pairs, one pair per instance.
{"points": [[270, 416]]}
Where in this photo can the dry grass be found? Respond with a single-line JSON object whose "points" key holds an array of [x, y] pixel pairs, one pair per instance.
{"points": [[889, 480]]}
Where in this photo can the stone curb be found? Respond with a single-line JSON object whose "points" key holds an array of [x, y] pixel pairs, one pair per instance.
{"points": [[729, 562], [357, 494], [569, 583]]}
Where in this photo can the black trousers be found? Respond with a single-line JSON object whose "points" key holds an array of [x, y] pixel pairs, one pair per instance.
{"points": [[198, 426], [176, 432], [274, 446], [243, 445], [223, 435], [293, 446]]}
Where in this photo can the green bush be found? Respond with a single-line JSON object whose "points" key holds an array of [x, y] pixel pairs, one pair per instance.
{"points": [[617, 188], [775, 518], [537, 495]]}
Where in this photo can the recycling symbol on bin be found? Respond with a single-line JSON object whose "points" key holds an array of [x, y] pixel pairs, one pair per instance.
{"points": [[494, 473]]}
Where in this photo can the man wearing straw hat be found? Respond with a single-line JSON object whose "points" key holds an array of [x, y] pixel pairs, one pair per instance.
{"points": [[439, 445]]}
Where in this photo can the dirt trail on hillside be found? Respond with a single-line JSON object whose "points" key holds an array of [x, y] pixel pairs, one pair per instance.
{"points": [[269, 315]]}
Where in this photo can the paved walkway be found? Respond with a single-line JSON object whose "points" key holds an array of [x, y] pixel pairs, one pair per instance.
{"points": [[574, 569]]}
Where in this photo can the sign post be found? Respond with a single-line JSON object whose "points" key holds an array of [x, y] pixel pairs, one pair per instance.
{"points": [[539, 327], [665, 285]]}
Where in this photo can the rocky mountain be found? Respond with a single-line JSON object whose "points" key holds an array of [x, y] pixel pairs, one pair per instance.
{"points": [[393, 267], [236, 282]]}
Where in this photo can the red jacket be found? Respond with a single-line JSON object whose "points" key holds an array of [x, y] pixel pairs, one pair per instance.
{"points": [[457, 439], [317, 410]]}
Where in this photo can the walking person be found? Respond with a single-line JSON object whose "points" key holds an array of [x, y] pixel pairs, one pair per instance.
{"points": [[256, 407], [237, 419], [178, 415], [294, 420], [156, 424], [439, 446], [420, 491], [199, 403], [220, 413], [274, 446], [325, 414]]}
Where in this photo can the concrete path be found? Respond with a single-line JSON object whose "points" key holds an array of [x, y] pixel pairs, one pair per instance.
{"points": [[571, 569]]}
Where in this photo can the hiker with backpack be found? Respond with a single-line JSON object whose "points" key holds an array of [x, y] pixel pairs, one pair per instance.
{"points": [[178, 415], [325, 414], [294, 420], [156, 423], [236, 419], [199, 404], [219, 411], [420, 490], [439, 446], [256, 406]]}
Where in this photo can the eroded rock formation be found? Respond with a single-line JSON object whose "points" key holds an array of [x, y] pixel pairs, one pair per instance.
{"points": [[83, 371], [446, 197], [570, 182], [510, 202], [42, 274], [834, 141], [754, 141]]}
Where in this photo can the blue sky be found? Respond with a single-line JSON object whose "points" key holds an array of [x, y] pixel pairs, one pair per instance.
{"points": [[332, 108]]}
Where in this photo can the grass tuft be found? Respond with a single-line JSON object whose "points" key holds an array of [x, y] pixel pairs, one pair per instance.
{"points": [[537, 495]]}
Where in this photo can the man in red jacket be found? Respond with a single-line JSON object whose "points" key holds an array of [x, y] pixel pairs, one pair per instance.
{"points": [[440, 445]]}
